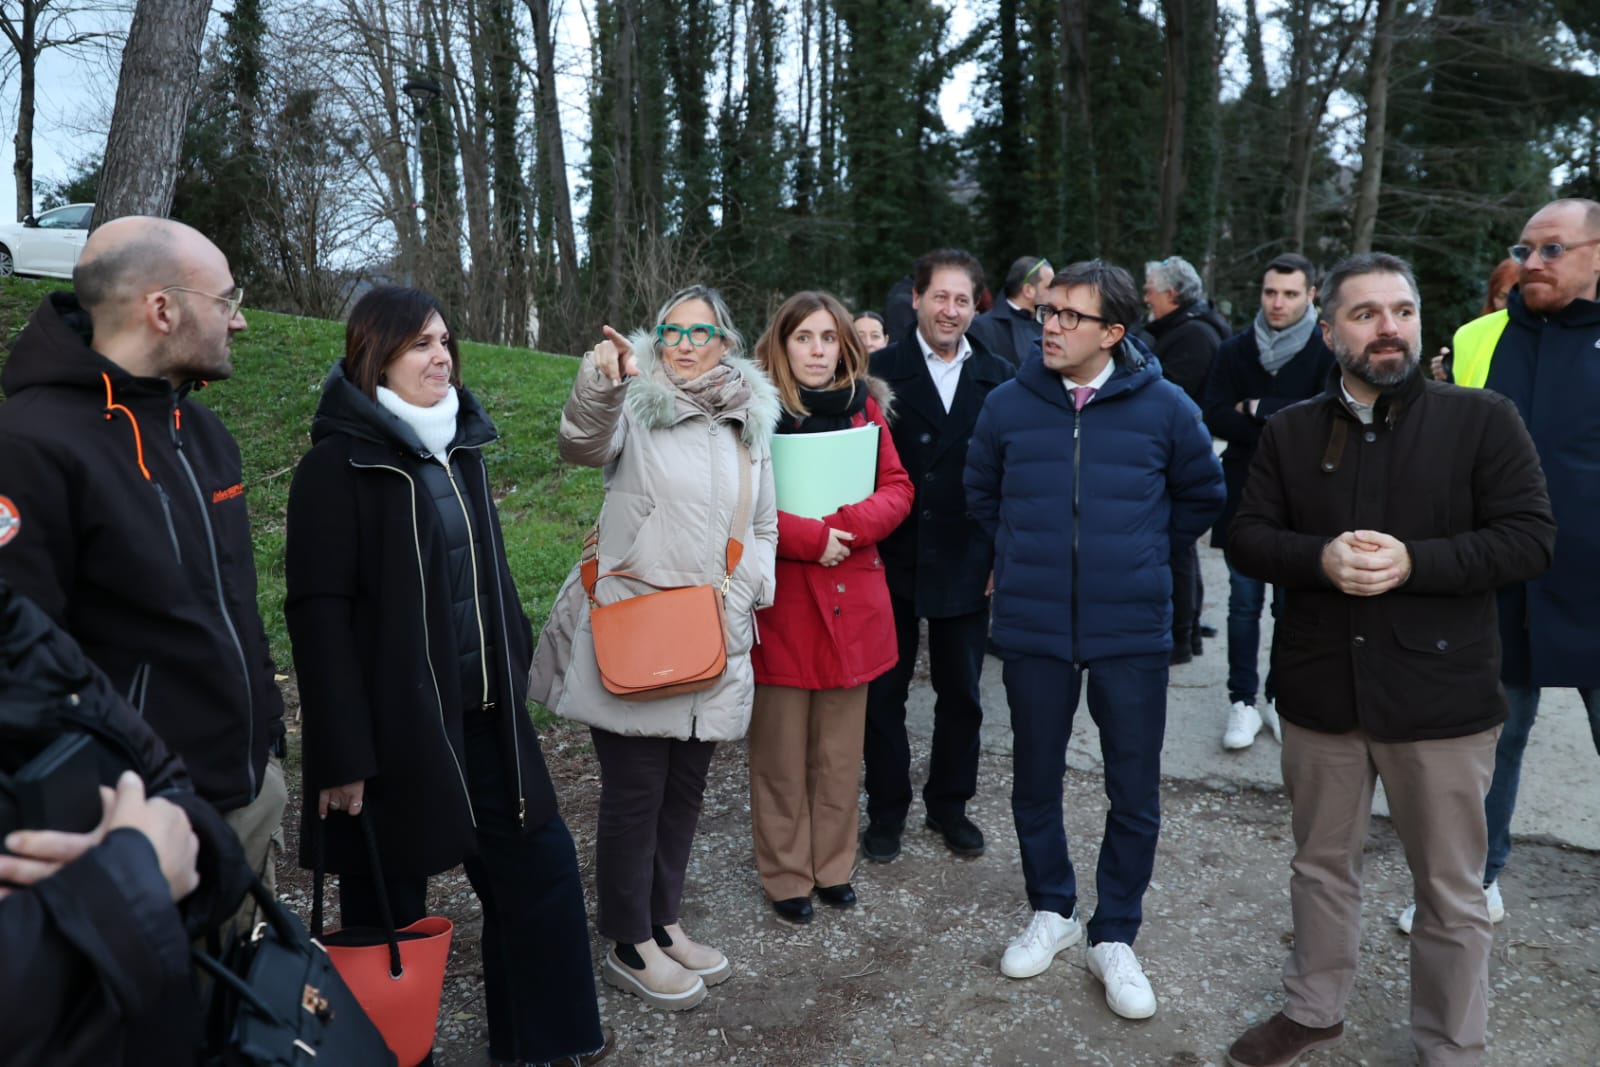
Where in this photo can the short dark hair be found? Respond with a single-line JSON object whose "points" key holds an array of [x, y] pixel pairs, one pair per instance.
{"points": [[116, 272], [960, 259], [1355, 267], [1022, 270], [381, 326], [1290, 262], [873, 315], [1119, 296]]}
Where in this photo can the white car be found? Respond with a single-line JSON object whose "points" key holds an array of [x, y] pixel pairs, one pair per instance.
{"points": [[48, 245]]}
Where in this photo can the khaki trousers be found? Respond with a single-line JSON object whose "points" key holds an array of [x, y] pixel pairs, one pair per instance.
{"points": [[259, 826], [805, 767], [1435, 790]]}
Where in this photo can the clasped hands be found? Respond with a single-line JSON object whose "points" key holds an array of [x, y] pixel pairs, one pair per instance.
{"points": [[1365, 562]]}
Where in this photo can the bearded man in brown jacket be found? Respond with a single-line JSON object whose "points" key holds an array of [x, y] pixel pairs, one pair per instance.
{"points": [[1390, 508]]}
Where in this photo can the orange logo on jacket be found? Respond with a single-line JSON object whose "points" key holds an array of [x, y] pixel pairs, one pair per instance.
{"points": [[10, 520], [229, 493]]}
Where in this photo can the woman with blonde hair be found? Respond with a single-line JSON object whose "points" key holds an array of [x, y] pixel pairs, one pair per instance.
{"points": [[830, 630], [680, 423]]}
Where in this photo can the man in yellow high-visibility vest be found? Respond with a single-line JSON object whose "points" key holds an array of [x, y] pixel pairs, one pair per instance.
{"points": [[1543, 351]]}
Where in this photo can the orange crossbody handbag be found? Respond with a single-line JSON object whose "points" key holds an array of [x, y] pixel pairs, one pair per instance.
{"points": [[671, 641]]}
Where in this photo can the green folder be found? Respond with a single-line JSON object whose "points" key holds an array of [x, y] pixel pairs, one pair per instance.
{"points": [[816, 474]]}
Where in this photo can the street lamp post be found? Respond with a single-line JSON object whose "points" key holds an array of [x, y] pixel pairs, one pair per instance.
{"points": [[423, 92]]}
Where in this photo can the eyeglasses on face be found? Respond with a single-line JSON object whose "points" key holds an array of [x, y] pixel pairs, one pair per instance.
{"points": [[699, 334], [1549, 252], [234, 302], [1067, 318]]}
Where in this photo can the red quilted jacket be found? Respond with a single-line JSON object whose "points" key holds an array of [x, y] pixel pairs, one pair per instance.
{"points": [[831, 627]]}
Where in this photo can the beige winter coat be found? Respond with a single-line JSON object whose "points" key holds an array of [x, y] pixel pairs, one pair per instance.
{"points": [[672, 486]]}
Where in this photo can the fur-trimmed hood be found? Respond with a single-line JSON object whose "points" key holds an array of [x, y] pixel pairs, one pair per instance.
{"points": [[654, 402]]}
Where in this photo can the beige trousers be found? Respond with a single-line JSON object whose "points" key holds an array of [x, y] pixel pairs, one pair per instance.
{"points": [[1435, 790], [259, 826], [805, 768]]}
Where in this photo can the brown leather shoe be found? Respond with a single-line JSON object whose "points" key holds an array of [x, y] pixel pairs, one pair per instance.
{"points": [[1280, 1041]]}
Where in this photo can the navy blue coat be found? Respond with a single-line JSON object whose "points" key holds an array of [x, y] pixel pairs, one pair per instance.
{"points": [[1006, 332], [937, 558], [1549, 365], [1086, 508]]}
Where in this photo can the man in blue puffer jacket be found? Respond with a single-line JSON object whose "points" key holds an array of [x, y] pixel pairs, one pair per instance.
{"points": [[1090, 471]]}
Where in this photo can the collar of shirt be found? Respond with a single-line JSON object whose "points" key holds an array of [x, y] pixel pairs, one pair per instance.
{"points": [[1363, 411], [1096, 383], [946, 374], [1019, 310], [963, 350]]}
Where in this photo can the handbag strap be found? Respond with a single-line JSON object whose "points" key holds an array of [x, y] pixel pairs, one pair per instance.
{"points": [[384, 912], [589, 561]]}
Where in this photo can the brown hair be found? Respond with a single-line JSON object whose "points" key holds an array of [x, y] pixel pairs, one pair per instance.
{"points": [[381, 326], [772, 356], [1502, 279]]}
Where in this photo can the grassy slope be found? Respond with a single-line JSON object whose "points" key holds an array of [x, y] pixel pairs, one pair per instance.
{"points": [[279, 364]]}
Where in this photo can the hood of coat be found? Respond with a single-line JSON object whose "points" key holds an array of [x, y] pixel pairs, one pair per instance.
{"points": [[655, 403], [345, 409], [53, 349], [1133, 371], [879, 390], [1580, 313], [1195, 309]]}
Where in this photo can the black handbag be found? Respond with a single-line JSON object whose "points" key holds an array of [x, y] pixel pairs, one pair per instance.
{"points": [[278, 1001]]}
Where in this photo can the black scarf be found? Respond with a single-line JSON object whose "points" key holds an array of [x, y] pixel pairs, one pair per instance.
{"points": [[831, 409]]}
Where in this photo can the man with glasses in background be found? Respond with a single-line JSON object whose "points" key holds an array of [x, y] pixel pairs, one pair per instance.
{"points": [[1088, 473], [1543, 351], [122, 509], [1008, 329]]}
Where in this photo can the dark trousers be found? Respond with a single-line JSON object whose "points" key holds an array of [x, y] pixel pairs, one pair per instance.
{"points": [[1186, 594], [650, 794], [1246, 596], [1128, 700], [538, 977], [955, 660]]}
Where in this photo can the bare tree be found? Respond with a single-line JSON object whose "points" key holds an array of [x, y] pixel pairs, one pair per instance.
{"points": [[1372, 145], [159, 66], [1175, 104]]}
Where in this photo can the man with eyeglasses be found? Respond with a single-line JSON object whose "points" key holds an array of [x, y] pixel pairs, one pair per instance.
{"points": [[1543, 351], [1008, 329], [1088, 473], [128, 521]]}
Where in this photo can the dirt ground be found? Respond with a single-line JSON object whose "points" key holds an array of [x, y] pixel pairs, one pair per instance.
{"points": [[911, 976]]}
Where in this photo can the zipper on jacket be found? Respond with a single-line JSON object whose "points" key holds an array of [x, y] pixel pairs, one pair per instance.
{"points": [[172, 527], [422, 588], [222, 607], [138, 685], [477, 591], [490, 529], [1077, 472]]}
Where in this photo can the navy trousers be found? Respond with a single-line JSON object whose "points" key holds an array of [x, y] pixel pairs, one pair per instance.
{"points": [[538, 976], [955, 661], [1128, 701]]}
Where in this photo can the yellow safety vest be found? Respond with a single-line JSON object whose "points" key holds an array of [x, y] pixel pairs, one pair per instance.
{"points": [[1474, 347]]}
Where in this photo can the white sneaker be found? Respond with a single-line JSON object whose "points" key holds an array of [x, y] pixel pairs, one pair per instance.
{"points": [[1047, 933], [1491, 897], [1127, 989], [1269, 715], [1244, 722]]}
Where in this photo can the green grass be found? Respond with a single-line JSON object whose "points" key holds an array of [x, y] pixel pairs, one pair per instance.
{"points": [[279, 363]]}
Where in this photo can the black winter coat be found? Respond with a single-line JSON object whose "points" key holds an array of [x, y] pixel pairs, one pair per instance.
{"points": [[1453, 474], [939, 558], [369, 608], [132, 533], [1184, 341], [1007, 332], [94, 961], [1237, 374]]}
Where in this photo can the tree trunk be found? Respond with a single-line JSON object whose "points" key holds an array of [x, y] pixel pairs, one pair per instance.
{"points": [[1301, 124], [159, 67], [1175, 97], [622, 160], [1372, 145], [552, 150], [27, 56]]}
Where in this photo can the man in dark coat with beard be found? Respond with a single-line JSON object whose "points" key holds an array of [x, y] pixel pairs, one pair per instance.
{"points": [[1390, 509]]}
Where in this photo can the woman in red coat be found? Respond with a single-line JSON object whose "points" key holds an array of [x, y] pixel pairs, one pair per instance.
{"points": [[829, 631]]}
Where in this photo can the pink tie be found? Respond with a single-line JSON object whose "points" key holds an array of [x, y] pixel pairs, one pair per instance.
{"points": [[1081, 395]]}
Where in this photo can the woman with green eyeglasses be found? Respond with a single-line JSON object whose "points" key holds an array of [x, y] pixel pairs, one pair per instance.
{"points": [[679, 421]]}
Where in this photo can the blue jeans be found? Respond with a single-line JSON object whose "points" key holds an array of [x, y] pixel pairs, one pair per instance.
{"points": [[1523, 704], [1246, 597]]}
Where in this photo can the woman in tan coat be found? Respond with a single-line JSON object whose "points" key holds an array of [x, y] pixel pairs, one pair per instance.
{"points": [[664, 415]]}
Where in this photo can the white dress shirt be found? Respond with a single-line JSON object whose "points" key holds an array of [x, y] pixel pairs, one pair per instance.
{"points": [[946, 375]]}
